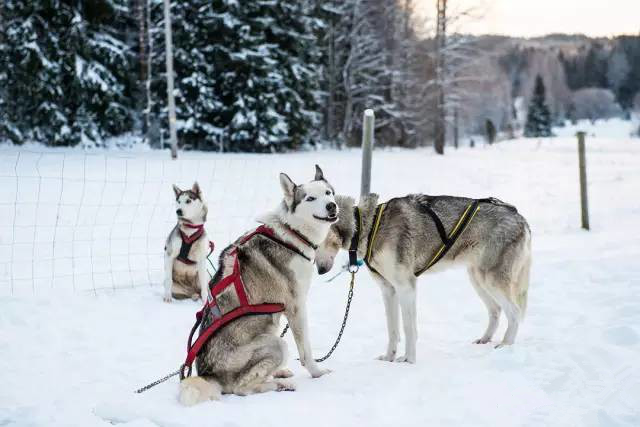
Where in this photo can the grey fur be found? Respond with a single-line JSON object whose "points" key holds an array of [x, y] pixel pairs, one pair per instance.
{"points": [[246, 355], [495, 248]]}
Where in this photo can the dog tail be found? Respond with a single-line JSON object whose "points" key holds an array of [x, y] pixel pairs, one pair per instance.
{"points": [[194, 390]]}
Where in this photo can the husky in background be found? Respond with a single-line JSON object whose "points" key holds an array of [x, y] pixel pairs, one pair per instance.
{"points": [[246, 355], [495, 247], [187, 248]]}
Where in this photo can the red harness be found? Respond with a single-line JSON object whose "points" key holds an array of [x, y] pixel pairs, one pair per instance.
{"points": [[188, 241], [234, 279]]}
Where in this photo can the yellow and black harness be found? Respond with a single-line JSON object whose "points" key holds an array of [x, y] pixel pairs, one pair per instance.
{"points": [[448, 239]]}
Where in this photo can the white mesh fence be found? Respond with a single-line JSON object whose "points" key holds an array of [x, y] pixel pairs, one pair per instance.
{"points": [[77, 221]]}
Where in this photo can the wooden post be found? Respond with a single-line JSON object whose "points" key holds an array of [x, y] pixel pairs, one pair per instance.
{"points": [[173, 137], [367, 148], [584, 204]]}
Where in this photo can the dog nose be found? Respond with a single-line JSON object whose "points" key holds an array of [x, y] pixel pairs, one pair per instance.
{"points": [[322, 270], [179, 212], [331, 208]]}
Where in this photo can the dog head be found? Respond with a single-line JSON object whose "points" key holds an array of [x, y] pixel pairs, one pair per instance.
{"points": [[311, 208], [338, 237], [190, 207]]}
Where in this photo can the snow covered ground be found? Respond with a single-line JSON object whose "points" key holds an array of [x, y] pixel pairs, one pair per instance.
{"points": [[74, 358]]}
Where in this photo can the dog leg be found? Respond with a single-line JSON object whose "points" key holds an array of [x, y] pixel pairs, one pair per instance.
{"points": [[194, 390], [266, 354], [202, 280], [493, 308], [168, 275], [297, 318], [391, 309], [283, 373], [503, 294], [407, 298]]}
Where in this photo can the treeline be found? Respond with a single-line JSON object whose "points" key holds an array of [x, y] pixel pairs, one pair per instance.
{"points": [[267, 75], [260, 75], [585, 78]]}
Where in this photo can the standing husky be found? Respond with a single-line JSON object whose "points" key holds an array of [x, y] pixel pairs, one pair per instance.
{"points": [[187, 248], [245, 355], [495, 246]]}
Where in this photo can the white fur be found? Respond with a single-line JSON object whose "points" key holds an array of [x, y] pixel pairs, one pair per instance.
{"points": [[194, 212]]}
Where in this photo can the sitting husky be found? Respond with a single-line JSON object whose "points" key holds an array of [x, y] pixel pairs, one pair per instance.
{"points": [[187, 248], [245, 355], [495, 246]]}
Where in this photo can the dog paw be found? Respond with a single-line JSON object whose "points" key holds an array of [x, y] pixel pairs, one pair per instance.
{"points": [[283, 373], [502, 345], [387, 357], [285, 386], [194, 390], [482, 340], [405, 359], [317, 373], [167, 299]]}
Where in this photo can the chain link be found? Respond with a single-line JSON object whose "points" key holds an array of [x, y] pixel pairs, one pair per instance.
{"points": [[160, 381], [284, 331], [344, 321]]}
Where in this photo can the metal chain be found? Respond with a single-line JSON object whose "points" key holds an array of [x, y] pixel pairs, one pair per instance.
{"points": [[160, 381], [284, 331], [344, 322]]}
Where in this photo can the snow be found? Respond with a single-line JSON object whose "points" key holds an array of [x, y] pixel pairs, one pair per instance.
{"points": [[74, 359]]}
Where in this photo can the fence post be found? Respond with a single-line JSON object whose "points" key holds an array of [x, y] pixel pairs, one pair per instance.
{"points": [[584, 204], [367, 148]]}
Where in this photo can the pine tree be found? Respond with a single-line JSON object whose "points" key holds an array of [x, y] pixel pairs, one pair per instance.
{"points": [[538, 116], [101, 59], [35, 106], [247, 74], [66, 67]]}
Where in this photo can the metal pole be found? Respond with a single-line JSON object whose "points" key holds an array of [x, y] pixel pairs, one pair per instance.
{"points": [[173, 137], [367, 148], [584, 204]]}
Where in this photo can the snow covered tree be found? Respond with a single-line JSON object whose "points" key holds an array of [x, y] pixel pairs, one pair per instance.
{"points": [[246, 74], [595, 103], [538, 116], [66, 72], [35, 104], [101, 60]]}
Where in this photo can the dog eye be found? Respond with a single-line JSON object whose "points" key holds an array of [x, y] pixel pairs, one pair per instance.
{"points": [[328, 193], [188, 201], [310, 199]]}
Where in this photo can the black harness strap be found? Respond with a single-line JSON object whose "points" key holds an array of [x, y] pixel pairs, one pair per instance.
{"points": [[187, 243], [448, 241], [286, 245], [355, 239], [372, 233], [436, 219]]}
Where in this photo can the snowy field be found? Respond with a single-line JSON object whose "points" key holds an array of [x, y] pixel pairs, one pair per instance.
{"points": [[73, 358]]}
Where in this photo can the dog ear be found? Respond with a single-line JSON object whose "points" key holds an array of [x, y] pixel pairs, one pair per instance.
{"points": [[288, 186], [196, 190], [319, 175], [177, 190]]}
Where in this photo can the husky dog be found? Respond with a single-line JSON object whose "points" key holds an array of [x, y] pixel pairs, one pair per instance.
{"points": [[495, 247], [186, 249], [244, 356]]}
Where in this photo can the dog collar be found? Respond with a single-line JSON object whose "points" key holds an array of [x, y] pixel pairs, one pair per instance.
{"points": [[300, 236], [355, 240]]}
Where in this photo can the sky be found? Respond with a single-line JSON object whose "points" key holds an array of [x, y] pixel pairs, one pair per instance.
{"points": [[530, 18]]}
